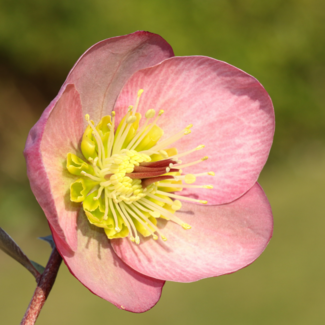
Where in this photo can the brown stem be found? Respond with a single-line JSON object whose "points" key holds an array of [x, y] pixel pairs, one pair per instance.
{"points": [[43, 288]]}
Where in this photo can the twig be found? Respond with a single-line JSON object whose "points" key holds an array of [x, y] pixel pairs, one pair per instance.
{"points": [[43, 288]]}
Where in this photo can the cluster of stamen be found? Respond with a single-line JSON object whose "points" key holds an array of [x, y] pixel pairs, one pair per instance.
{"points": [[114, 176], [131, 175]]}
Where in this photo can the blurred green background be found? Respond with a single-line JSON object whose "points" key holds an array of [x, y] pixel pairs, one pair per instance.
{"points": [[279, 42]]}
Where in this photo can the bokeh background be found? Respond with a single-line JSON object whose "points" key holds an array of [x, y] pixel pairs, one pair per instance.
{"points": [[279, 42]]}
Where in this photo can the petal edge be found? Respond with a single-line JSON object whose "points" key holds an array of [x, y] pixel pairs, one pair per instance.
{"points": [[98, 268], [222, 240]]}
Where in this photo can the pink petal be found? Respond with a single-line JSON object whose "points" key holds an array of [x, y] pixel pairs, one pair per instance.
{"points": [[97, 267], [57, 133], [223, 239], [231, 112], [98, 76], [103, 69]]}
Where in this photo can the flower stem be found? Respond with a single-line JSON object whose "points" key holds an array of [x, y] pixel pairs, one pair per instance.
{"points": [[44, 286]]}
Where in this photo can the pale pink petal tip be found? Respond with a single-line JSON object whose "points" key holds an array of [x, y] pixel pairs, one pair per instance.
{"points": [[231, 113], [223, 239], [103, 69], [97, 267]]}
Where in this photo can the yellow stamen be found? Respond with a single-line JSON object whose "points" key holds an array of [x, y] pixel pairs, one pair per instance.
{"points": [[127, 181], [105, 217], [125, 127], [150, 113], [189, 178], [99, 193], [167, 214], [176, 205], [139, 139], [191, 163], [184, 198], [96, 179], [144, 223], [131, 120], [101, 151], [154, 214], [129, 224], [160, 184], [166, 143], [114, 215], [188, 152]]}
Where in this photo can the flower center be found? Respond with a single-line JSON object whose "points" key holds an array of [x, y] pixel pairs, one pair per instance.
{"points": [[128, 178], [116, 176]]}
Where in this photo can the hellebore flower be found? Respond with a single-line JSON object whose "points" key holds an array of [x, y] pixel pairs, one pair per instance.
{"points": [[118, 169]]}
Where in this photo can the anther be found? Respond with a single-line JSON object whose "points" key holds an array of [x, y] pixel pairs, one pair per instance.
{"points": [[176, 205], [200, 147], [161, 112], [211, 173], [87, 117], [189, 179], [93, 161], [150, 113], [205, 158], [155, 214], [163, 153], [131, 119], [203, 202], [186, 226], [140, 91]]}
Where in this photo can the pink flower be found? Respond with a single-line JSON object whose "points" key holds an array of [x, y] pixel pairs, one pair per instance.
{"points": [[71, 159]]}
